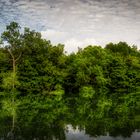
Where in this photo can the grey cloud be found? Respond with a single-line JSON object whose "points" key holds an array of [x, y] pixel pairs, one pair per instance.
{"points": [[104, 20]]}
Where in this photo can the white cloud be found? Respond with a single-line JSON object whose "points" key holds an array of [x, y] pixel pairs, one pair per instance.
{"points": [[70, 41], [72, 44], [51, 33], [54, 35]]}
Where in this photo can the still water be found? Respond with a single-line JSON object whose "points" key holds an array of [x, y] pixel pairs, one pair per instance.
{"points": [[73, 134], [66, 133], [59, 119]]}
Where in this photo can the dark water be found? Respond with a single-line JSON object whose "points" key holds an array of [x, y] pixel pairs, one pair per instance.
{"points": [[59, 119], [66, 133], [82, 135]]}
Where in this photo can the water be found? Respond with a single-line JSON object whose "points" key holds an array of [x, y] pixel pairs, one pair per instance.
{"points": [[73, 134], [59, 119], [66, 133]]}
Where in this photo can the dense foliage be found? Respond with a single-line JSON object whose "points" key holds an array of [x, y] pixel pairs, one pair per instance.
{"points": [[98, 82]]}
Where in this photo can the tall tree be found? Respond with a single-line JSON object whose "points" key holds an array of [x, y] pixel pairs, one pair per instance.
{"points": [[12, 40]]}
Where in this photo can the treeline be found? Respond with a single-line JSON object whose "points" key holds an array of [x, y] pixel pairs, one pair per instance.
{"points": [[103, 75]]}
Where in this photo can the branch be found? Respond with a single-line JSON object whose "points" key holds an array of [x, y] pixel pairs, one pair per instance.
{"points": [[18, 57], [11, 54]]}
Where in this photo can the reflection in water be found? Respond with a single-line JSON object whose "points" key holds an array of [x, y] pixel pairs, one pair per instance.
{"points": [[80, 135], [76, 134], [55, 119]]}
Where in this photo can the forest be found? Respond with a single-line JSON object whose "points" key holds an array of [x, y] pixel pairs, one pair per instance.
{"points": [[95, 82]]}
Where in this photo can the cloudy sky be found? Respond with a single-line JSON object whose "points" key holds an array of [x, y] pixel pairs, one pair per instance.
{"points": [[76, 23]]}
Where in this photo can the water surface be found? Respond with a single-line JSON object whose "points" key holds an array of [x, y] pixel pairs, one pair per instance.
{"points": [[57, 119]]}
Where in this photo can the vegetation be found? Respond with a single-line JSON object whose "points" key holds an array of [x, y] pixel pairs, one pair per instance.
{"points": [[96, 82]]}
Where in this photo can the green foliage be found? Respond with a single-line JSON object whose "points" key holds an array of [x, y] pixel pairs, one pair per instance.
{"points": [[102, 82], [9, 107], [8, 80], [87, 92]]}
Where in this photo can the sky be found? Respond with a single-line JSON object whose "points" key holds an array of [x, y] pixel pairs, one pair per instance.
{"points": [[76, 23]]}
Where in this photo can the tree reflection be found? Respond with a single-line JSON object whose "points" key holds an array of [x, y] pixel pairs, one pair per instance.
{"points": [[47, 119]]}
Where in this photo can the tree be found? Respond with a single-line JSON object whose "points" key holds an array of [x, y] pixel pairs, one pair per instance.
{"points": [[12, 39]]}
